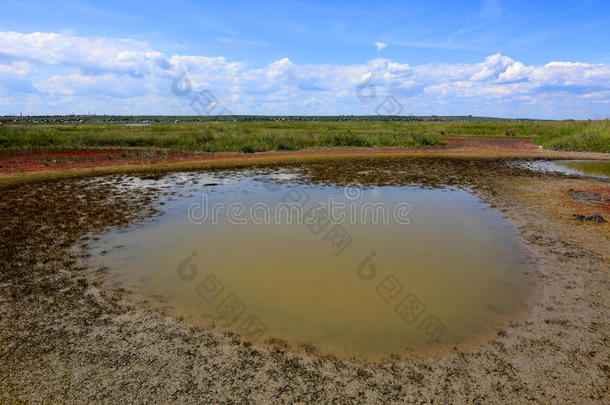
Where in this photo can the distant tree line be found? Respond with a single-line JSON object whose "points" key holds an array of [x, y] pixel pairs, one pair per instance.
{"points": [[126, 119]]}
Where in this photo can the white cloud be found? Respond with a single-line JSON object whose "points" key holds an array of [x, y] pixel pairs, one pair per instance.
{"points": [[60, 73], [15, 68], [380, 45], [492, 67], [94, 55], [108, 84]]}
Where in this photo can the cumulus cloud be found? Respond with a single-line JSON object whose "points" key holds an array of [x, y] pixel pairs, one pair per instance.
{"points": [[61, 72], [92, 55], [380, 45]]}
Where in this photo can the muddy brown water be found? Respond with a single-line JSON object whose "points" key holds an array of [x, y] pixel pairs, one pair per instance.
{"points": [[356, 270], [592, 168]]}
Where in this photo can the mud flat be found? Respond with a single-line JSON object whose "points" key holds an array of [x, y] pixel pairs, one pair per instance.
{"points": [[67, 334]]}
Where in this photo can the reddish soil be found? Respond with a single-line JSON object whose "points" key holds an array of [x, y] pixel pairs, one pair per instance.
{"points": [[25, 161]]}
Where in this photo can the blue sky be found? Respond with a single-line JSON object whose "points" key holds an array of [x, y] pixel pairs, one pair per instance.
{"points": [[502, 58]]}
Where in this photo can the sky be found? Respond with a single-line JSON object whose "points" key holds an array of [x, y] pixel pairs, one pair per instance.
{"points": [[529, 59]]}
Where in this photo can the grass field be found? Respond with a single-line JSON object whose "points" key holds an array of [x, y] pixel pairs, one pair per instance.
{"points": [[591, 136]]}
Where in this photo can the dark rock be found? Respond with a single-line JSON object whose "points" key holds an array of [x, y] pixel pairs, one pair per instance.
{"points": [[593, 218]]}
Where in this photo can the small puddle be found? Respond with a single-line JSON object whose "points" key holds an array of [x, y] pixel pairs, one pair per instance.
{"points": [[592, 168], [353, 271]]}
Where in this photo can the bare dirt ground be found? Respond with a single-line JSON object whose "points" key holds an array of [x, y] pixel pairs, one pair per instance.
{"points": [[66, 338]]}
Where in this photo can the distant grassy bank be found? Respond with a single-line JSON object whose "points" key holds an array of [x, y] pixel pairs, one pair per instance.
{"points": [[585, 136], [290, 135]]}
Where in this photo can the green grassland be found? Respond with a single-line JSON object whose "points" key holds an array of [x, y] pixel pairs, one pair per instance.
{"points": [[255, 136]]}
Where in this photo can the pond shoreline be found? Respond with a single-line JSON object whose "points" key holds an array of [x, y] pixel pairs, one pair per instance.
{"points": [[66, 338], [31, 166]]}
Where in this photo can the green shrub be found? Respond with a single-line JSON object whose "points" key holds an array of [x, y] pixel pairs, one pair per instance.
{"points": [[285, 144], [427, 139], [251, 148]]}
